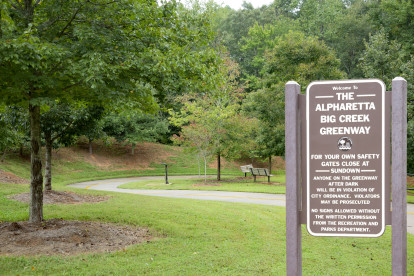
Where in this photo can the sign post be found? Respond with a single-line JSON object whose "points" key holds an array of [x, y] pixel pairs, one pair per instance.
{"points": [[292, 138], [399, 176], [338, 177]]}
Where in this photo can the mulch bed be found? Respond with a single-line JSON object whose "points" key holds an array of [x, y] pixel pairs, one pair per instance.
{"points": [[60, 237]]}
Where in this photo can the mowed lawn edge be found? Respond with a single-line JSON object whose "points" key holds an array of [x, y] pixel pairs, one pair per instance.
{"points": [[228, 183]]}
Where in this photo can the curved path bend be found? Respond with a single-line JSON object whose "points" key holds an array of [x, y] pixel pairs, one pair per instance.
{"points": [[111, 185]]}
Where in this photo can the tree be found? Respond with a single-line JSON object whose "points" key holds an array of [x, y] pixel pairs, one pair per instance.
{"points": [[64, 49], [232, 26], [8, 136], [186, 55], [395, 17], [91, 125], [260, 39], [134, 127], [319, 17], [14, 127], [61, 125], [384, 59], [215, 110], [54, 123], [301, 58], [294, 57], [266, 105], [342, 25], [212, 126], [97, 51], [351, 28], [197, 139]]}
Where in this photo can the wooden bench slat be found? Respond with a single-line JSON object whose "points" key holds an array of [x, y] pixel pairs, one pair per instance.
{"points": [[246, 169], [260, 172]]}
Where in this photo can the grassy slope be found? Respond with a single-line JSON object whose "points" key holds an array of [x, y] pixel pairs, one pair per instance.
{"points": [[76, 165]]}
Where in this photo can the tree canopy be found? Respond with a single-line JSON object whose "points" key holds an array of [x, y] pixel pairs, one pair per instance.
{"points": [[216, 74], [97, 51], [294, 57]]}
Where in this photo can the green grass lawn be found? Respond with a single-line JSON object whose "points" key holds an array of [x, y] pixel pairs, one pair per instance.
{"points": [[195, 237], [198, 238], [228, 183]]}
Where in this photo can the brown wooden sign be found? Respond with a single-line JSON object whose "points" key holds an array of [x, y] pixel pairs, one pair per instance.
{"points": [[345, 141]]}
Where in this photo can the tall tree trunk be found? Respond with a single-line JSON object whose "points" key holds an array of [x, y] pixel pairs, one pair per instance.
{"points": [[48, 161], [218, 167], [270, 164], [36, 184], [90, 146]]}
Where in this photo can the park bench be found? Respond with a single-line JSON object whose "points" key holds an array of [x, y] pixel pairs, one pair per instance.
{"points": [[260, 172], [246, 169]]}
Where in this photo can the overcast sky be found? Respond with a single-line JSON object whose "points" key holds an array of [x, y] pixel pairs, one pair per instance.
{"points": [[236, 4]]}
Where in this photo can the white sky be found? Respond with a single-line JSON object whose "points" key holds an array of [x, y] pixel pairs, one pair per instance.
{"points": [[236, 4]]}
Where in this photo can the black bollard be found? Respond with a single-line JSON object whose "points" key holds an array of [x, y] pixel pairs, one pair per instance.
{"points": [[166, 173]]}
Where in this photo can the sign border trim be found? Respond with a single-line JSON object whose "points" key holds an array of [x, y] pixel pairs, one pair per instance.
{"points": [[382, 152]]}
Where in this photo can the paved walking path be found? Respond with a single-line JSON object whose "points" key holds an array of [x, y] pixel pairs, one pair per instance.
{"points": [[111, 185]]}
